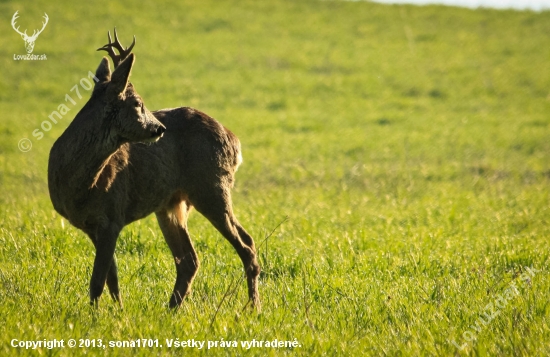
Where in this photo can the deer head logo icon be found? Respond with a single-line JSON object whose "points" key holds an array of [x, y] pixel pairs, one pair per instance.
{"points": [[29, 40]]}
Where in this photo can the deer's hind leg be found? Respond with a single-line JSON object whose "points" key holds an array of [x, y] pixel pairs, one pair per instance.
{"points": [[173, 223], [215, 204]]}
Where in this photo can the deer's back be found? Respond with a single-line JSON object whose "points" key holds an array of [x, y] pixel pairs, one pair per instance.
{"points": [[200, 148]]}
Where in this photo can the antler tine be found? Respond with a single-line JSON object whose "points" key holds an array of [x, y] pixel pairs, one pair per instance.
{"points": [[132, 45], [109, 50], [123, 53], [46, 19], [13, 24], [119, 46], [38, 32], [117, 42]]}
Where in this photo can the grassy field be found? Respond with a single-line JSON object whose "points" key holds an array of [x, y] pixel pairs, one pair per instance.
{"points": [[396, 177]]}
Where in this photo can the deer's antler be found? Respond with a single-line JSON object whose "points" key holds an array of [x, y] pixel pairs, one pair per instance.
{"points": [[13, 19], [123, 53], [35, 34], [24, 34]]}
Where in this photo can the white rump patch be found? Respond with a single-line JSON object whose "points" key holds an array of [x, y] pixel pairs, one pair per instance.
{"points": [[239, 160]]}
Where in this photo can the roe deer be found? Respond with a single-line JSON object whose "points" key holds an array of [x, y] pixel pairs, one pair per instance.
{"points": [[117, 162]]}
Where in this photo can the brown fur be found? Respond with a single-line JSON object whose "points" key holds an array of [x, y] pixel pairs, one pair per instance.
{"points": [[112, 166], [101, 177]]}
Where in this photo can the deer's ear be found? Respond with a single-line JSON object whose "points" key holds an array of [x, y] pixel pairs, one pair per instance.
{"points": [[119, 79], [103, 72]]}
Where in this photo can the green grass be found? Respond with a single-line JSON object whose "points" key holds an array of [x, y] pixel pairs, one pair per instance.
{"points": [[409, 148]]}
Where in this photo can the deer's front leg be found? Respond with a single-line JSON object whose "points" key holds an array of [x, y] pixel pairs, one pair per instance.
{"points": [[105, 249], [112, 282]]}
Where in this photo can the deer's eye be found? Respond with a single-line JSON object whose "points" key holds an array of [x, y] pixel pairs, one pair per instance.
{"points": [[138, 104]]}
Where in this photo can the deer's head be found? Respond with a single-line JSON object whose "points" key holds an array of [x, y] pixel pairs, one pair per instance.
{"points": [[29, 40], [125, 113]]}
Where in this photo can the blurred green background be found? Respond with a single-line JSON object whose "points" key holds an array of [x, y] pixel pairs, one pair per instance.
{"points": [[408, 147]]}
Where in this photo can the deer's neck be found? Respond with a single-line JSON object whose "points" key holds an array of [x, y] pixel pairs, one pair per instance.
{"points": [[89, 157]]}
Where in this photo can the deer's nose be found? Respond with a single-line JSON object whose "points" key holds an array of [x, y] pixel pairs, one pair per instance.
{"points": [[159, 132]]}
